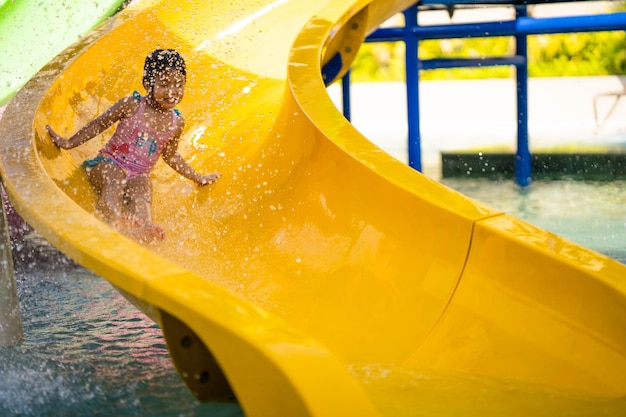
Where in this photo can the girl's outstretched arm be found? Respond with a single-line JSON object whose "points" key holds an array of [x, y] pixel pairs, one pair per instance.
{"points": [[173, 159], [125, 107], [182, 167]]}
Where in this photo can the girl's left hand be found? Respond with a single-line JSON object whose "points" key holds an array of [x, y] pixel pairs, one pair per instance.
{"points": [[208, 179]]}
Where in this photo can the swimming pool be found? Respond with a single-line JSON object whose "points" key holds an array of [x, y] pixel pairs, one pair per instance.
{"points": [[87, 351], [590, 213]]}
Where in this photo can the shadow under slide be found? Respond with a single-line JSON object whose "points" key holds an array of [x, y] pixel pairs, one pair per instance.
{"points": [[319, 276]]}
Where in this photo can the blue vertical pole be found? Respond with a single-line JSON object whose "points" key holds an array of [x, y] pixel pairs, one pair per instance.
{"points": [[345, 95], [522, 157], [412, 88]]}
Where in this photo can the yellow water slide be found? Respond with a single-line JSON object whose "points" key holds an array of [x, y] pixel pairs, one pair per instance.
{"points": [[319, 276]]}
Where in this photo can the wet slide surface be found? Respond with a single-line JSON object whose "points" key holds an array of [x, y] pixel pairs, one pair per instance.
{"points": [[319, 276]]}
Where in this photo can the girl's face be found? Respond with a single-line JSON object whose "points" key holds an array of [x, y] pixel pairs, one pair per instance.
{"points": [[168, 89]]}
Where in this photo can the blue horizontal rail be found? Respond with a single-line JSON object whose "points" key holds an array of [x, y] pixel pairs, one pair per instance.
{"points": [[520, 28], [435, 63], [570, 24]]}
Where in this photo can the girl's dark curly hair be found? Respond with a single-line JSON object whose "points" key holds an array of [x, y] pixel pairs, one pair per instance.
{"points": [[160, 60]]}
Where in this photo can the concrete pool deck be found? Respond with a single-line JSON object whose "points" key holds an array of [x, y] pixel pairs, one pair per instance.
{"points": [[480, 115]]}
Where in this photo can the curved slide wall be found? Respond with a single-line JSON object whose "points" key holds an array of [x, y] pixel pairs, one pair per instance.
{"points": [[25, 48], [319, 276], [33, 32]]}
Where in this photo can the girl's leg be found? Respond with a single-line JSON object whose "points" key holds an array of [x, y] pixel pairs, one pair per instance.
{"points": [[139, 197], [109, 180]]}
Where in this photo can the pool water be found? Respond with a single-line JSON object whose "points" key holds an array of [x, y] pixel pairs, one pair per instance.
{"points": [[590, 213], [89, 352]]}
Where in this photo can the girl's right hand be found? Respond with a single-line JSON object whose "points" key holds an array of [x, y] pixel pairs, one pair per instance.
{"points": [[59, 141]]}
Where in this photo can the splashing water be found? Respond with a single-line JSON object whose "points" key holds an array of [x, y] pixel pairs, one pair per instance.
{"points": [[87, 351]]}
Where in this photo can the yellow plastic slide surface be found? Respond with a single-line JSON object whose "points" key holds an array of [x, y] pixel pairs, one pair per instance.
{"points": [[321, 276]]}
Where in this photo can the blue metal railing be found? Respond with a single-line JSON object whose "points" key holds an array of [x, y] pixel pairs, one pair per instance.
{"points": [[520, 28]]}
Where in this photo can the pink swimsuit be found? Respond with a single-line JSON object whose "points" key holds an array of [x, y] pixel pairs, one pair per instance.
{"points": [[135, 147]]}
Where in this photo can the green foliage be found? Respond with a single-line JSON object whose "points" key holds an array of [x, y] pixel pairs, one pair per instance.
{"points": [[579, 54], [600, 53], [383, 61]]}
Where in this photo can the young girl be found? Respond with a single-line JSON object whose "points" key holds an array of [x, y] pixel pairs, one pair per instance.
{"points": [[148, 127]]}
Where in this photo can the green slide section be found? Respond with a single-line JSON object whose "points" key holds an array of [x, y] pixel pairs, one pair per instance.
{"points": [[32, 32]]}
